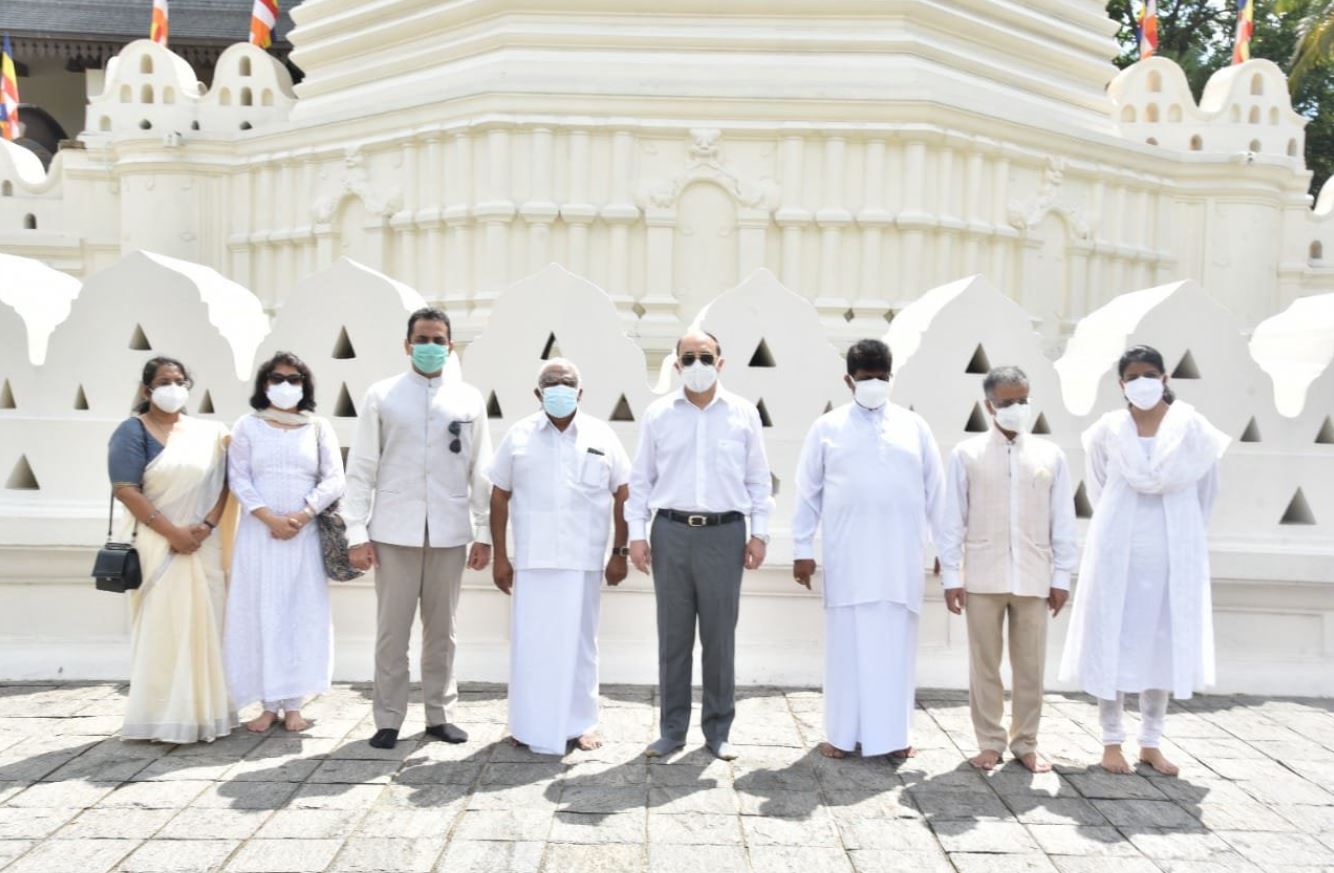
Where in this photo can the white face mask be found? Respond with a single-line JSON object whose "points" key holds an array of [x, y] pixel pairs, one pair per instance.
{"points": [[871, 393], [1015, 418], [1144, 393], [285, 396], [699, 377], [170, 399]]}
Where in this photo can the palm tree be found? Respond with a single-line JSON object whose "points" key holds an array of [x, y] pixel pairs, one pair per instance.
{"points": [[1315, 36]]}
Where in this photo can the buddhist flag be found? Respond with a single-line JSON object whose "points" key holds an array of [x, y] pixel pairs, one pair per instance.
{"points": [[1241, 51], [1146, 28], [157, 31], [9, 94], [262, 21]]}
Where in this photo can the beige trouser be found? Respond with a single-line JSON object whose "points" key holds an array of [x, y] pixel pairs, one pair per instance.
{"points": [[986, 614], [405, 576]]}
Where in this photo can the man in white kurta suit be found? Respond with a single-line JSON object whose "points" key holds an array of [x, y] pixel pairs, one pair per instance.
{"points": [[556, 476], [870, 478], [1143, 620]]}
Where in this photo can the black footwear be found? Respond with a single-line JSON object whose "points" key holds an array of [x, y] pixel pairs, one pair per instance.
{"points": [[385, 738], [447, 732]]}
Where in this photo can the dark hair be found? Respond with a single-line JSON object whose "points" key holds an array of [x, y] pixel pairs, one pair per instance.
{"points": [[1144, 355], [150, 373], [871, 355], [260, 399], [430, 313], [717, 344]]}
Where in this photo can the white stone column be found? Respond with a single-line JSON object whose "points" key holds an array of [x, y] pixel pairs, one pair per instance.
{"points": [[578, 212], [458, 217], [620, 214], [539, 211], [871, 303], [792, 216]]}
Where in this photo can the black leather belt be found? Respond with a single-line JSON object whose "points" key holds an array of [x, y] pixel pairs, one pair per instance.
{"points": [[701, 519]]}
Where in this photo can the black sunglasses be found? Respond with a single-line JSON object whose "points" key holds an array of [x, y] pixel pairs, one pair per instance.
{"points": [[456, 428], [705, 358], [290, 379]]}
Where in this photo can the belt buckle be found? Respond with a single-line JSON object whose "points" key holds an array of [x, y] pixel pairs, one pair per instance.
{"points": [[697, 520]]}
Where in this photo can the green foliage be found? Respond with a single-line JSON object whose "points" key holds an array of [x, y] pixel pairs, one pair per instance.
{"points": [[1298, 35]]}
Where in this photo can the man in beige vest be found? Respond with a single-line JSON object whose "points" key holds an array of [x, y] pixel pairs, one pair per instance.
{"points": [[1006, 555]]}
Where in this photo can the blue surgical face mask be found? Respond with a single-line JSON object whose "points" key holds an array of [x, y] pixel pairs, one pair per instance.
{"points": [[429, 357], [560, 401]]}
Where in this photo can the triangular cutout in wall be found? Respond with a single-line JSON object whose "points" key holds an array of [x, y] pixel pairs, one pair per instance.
{"points": [[1083, 508], [1298, 511], [1324, 437], [493, 407], [343, 350], [81, 400], [762, 357], [829, 407], [1252, 432], [344, 407], [139, 340], [551, 349], [206, 404], [7, 398], [344, 450], [1186, 368], [977, 422], [764, 414], [774, 483], [979, 364], [1040, 426], [622, 412], [21, 478]]}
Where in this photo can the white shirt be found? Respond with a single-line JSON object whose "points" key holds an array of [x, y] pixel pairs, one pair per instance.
{"points": [[1064, 547], [700, 460], [403, 482], [562, 485], [870, 479]]}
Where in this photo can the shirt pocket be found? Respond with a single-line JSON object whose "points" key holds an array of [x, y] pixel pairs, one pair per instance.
{"points": [[732, 458], [595, 472]]}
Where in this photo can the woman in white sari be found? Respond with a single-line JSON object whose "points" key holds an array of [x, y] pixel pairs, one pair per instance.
{"points": [[170, 471], [1143, 619]]}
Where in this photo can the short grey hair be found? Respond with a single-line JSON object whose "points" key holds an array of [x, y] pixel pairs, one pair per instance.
{"points": [[559, 362], [1003, 376]]}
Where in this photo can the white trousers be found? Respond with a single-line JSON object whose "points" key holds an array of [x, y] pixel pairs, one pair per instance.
{"points": [[869, 677], [553, 691], [1152, 715], [291, 704]]}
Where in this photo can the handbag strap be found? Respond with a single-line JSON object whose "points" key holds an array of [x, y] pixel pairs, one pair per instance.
{"points": [[111, 507]]}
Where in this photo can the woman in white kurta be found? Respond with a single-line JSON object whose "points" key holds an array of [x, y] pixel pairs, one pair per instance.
{"points": [[1143, 620], [284, 468]]}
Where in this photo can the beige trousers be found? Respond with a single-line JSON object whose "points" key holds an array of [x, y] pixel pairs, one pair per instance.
{"points": [[987, 616], [407, 575]]}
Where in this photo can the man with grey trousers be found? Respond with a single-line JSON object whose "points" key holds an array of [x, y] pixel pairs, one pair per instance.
{"points": [[701, 467]]}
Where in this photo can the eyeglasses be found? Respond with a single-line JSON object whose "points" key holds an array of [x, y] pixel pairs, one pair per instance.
{"points": [[456, 428], [689, 358], [290, 379]]}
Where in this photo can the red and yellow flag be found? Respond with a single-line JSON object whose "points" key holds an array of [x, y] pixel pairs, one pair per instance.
{"points": [[262, 21], [9, 94], [1241, 49], [1146, 28], [157, 31]]}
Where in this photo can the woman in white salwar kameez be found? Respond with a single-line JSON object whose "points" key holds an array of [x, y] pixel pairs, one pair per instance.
{"points": [[285, 469], [169, 471], [1143, 620]]}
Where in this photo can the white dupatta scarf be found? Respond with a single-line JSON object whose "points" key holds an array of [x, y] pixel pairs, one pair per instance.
{"points": [[1185, 454]]}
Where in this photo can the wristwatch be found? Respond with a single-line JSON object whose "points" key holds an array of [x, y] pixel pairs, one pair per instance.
{"points": [[620, 551]]}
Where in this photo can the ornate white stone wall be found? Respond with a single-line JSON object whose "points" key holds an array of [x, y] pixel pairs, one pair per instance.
{"points": [[1272, 539]]}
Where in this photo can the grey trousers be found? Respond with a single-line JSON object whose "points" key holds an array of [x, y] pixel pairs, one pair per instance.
{"points": [[406, 576], [697, 576]]}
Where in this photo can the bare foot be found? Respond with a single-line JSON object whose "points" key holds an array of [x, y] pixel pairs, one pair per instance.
{"points": [[829, 750], [903, 754], [263, 723], [589, 741], [294, 722], [1154, 758], [1034, 763], [1115, 762], [985, 759]]}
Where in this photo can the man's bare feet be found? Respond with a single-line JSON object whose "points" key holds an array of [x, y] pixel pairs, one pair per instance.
{"points": [[589, 741], [1115, 762], [263, 722], [294, 722], [1034, 763], [987, 759], [903, 754], [829, 750], [1154, 758]]}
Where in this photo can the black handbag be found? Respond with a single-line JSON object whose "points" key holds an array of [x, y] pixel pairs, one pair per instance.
{"points": [[333, 534], [116, 568]]}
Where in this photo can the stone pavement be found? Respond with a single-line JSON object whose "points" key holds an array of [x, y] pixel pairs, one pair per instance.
{"points": [[1254, 794]]}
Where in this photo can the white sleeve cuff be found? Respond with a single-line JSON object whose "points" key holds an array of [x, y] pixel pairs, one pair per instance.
{"points": [[803, 550], [638, 529], [357, 535], [1061, 580], [950, 579]]}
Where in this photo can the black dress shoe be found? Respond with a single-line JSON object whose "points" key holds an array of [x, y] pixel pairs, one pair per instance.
{"points": [[447, 732], [385, 738]]}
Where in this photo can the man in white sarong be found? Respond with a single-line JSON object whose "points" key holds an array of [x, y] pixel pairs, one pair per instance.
{"points": [[1143, 619], [557, 473], [870, 478]]}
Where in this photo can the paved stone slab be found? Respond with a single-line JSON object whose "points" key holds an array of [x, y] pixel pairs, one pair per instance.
{"points": [[179, 856], [73, 856], [699, 829], [388, 856], [697, 859], [789, 859], [604, 858], [468, 856], [1058, 839], [287, 856]]}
